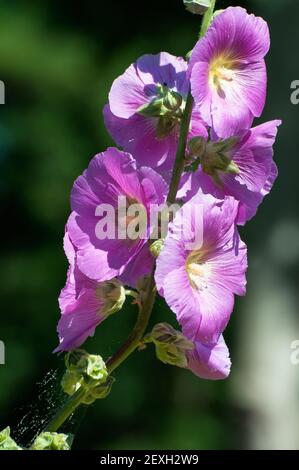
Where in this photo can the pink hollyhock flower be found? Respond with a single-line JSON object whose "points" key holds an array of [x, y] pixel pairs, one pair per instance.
{"points": [[84, 303], [110, 177], [210, 362], [207, 361], [199, 283], [228, 72], [241, 166], [145, 108]]}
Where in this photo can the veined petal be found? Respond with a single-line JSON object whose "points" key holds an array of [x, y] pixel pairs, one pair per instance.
{"points": [[210, 362]]}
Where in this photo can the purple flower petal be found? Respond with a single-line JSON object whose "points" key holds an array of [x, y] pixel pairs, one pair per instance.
{"points": [[228, 73], [210, 362], [199, 284]]}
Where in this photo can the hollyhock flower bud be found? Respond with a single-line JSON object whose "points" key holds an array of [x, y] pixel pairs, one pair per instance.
{"points": [[90, 366], [166, 102], [145, 109], [51, 441], [6, 442], [113, 293], [98, 392], [156, 247], [71, 382], [228, 72], [217, 157], [197, 7], [83, 370], [240, 166], [199, 280], [171, 345], [197, 147]]}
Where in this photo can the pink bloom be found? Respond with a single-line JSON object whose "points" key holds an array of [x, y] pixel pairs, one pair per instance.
{"points": [[210, 362], [84, 303], [199, 283], [110, 176], [253, 174], [228, 72], [152, 140]]}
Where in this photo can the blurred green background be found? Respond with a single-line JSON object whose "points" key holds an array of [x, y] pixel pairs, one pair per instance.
{"points": [[58, 60]]}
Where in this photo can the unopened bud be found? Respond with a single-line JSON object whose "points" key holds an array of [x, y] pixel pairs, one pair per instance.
{"points": [[165, 126], [99, 392], [96, 370], [83, 369], [197, 146], [71, 382], [173, 100], [219, 157], [156, 247], [51, 441], [225, 145], [171, 345], [197, 7], [113, 294], [154, 108], [6, 442], [167, 102]]}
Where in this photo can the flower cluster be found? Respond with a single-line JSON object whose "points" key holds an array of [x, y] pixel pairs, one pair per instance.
{"points": [[228, 169]]}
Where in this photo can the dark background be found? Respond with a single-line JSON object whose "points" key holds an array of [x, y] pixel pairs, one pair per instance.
{"points": [[58, 60]]}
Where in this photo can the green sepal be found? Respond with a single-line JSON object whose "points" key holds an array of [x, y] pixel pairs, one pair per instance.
{"points": [[51, 441], [6, 442]]}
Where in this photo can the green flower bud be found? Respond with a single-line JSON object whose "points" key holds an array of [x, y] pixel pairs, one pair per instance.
{"points": [[113, 292], [173, 100], [218, 157], [71, 382], [171, 345], [153, 109], [165, 126], [83, 369], [6, 442], [197, 146], [51, 441], [197, 7], [156, 247], [95, 368], [167, 101], [99, 392]]}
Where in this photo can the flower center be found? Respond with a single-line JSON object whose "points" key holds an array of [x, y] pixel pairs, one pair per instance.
{"points": [[198, 270], [221, 71]]}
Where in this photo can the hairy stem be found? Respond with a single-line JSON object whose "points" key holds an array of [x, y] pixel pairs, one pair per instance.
{"points": [[180, 155], [65, 411], [139, 329]]}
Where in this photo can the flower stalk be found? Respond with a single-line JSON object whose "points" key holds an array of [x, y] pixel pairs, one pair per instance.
{"points": [[148, 300]]}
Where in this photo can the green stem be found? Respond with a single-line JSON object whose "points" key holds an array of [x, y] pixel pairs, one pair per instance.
{"points": [[66, 411], [139, 329], [181, 151], [148, 300], [207, 18]]}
